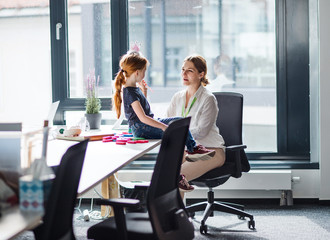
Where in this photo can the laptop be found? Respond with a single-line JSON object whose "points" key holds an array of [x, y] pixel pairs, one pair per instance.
{"points": [[52, 112], [11, 126], [10, 142], [10, 146], [10, 159], [121, 123], [10, 149]]}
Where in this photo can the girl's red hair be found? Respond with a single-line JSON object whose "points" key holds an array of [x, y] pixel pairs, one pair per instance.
{"points": [[129, 63]]}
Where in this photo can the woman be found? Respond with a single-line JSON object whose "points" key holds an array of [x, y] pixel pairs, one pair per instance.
{"points": [[199, 103]]}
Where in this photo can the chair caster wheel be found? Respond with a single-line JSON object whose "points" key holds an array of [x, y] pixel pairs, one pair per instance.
{"points": [[251, 225], [240, 217], [203, 229]]}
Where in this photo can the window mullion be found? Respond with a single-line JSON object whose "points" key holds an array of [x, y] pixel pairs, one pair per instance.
{"points": [[59, 55], [119, 31], [281, 76]]}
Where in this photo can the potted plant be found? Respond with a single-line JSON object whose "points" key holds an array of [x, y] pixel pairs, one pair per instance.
{"points": [[92, 102]]}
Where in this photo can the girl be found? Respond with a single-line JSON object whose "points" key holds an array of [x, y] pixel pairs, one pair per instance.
{"points": [[199, 103], [137, 109]]}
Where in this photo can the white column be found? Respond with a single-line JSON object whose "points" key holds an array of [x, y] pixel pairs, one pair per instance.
{"points": [[324, 29]]}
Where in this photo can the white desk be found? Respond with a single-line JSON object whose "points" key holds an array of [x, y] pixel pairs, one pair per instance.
{"points": [[101, 161], [14, 222]]}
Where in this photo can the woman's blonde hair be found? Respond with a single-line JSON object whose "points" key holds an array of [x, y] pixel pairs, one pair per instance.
{"points": [[129, 63], [200, 64]]}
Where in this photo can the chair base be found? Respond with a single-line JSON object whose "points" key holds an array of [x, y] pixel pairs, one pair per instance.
{"points": [[210, 206]]}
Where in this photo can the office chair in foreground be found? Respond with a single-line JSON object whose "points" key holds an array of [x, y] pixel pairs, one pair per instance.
{"points": [[229, 122], [57, 222], [166, 218]]}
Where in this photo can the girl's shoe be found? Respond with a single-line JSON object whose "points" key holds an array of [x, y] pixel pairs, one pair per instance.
{"points": [[183, 184], [200, 153]]}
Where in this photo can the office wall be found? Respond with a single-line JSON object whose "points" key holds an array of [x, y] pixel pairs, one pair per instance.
{"points": [[25, 69]]}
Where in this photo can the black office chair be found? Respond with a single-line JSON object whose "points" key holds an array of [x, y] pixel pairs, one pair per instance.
{"points": [[166, 217], [229, 122], [57, 222]]}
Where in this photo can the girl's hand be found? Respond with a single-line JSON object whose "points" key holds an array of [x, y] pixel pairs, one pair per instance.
{"points": [[164, 128], [143, 86]]}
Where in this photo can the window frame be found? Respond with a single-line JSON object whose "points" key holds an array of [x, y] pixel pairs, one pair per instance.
{"points": [[60, 63], [292, 74]]}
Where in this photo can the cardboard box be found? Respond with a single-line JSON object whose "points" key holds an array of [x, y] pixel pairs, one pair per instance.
{"points": [[34, 193]]}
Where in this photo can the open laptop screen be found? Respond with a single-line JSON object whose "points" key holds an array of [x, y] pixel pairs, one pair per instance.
{"points": [[10, 151], [52, 112]]}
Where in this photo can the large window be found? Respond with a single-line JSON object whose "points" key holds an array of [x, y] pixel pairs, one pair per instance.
{"points": [[81, 42], [237, 38], [89, 46], [257, 48]]}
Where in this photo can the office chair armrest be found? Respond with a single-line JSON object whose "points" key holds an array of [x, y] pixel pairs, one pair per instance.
{"points": [[141, 186], [119, 202], [118, 205], [235, 147]]}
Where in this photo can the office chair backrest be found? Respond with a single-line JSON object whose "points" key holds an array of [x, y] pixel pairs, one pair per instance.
{"points": [[166, 210], [60, 206], [230, 122]]}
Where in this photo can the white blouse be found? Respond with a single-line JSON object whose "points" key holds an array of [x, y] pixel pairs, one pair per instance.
{"points": [[203, 112]]}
